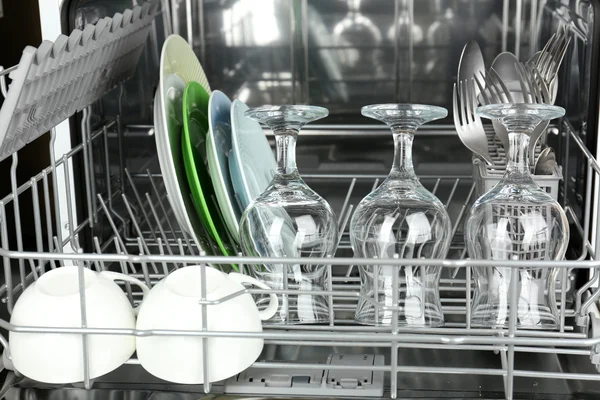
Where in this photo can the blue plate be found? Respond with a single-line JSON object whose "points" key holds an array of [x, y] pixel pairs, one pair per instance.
{"points": [[251, 161], [218, 147]]}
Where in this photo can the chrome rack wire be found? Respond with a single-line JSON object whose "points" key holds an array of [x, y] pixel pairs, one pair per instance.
{"points": [[128, 226]]}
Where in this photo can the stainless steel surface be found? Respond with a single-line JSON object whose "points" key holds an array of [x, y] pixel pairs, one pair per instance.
{"points": [[270, 54], [471, 64], [467, 122]]}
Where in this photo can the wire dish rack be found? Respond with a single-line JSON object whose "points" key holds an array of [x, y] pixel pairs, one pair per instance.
{"points": [[127, 226]]}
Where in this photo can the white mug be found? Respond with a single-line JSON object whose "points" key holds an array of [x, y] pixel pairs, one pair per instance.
{"points": [[53, 301], [174, 303]]}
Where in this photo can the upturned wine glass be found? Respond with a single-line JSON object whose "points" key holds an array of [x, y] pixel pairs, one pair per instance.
{"points": [[516, 220], [401, 219], [289, 219]]}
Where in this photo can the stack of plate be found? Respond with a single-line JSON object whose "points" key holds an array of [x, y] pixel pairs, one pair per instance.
{"points": [[214, 160]]}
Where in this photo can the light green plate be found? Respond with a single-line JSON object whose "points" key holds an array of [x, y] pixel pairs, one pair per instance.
{"points": [[193, 144]]}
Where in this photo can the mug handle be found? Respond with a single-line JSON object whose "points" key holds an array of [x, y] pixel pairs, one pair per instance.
{"points": [[117, 276], [273, 302]]}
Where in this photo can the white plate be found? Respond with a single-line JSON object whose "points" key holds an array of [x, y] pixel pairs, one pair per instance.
{"points": [[178, 66], [218, 147], [251, 162]]}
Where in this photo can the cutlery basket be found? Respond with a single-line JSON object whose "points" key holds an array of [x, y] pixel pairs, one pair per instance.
{"points": [[486, 177]]}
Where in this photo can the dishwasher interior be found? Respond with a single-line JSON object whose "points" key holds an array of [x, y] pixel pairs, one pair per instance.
{"points": [[294, 52]]}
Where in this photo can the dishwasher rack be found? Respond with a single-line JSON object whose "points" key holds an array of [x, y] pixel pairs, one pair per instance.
{"points": [[144, 243]]}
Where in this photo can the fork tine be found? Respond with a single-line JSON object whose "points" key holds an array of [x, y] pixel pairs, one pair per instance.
{"points": [[482, 90], [457, 121], [542, 86], [553, 57], [495, 96], [500, 83], [466, 101], [560, 55], [461, 99], [545, 54], [525, 83], [472, 98]]}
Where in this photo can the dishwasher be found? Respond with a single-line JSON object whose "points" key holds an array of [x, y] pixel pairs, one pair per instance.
{"points": [[101, 203]]}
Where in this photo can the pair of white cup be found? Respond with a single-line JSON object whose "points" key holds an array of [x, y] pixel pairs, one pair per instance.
{"points": [[172, 304]]}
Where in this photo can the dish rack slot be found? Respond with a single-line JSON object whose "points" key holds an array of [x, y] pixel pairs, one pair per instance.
{"points": [[55, 80]]}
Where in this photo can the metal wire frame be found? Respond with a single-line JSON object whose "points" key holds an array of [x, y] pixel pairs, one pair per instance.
{"points": [[146, 243]]}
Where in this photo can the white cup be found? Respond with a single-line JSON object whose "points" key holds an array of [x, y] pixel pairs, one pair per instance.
{"points": [[174, 303], [53, 301]]}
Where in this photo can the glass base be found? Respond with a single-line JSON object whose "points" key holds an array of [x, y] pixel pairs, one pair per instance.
{"points": [[497, 316], [430, 317], [412, 311], [298, 309]]}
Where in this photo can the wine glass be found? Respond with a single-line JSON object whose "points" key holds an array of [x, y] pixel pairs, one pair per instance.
{"points": [[290, 220], [401, 219], [516, 220]]}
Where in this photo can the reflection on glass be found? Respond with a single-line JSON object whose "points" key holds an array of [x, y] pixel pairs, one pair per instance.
{"points": [[401, 219], [359, 40], [290, 220], [516, 220]]}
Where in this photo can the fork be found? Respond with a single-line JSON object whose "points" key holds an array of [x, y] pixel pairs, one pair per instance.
{"points": [[468, 124], [496, 92], [551, 56], [532, 84], [534, 91]]}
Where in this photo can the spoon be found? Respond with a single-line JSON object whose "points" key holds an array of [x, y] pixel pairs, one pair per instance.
{"points": [[545, 163]]}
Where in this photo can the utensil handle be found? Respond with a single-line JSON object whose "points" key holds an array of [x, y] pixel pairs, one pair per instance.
{"points": [[273, 302], [117, 276]]}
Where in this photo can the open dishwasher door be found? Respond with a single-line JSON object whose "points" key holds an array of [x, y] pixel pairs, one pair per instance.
{"points": [[102, 202]]}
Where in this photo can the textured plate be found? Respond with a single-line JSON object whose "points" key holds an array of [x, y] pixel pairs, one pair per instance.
{"points": [[179, 65], [193, 146], [251, 162], [218, 147]]}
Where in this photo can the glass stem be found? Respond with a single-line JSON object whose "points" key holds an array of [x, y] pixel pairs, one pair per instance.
{"points": [[286, 152], [402, 168], [518, 153]]}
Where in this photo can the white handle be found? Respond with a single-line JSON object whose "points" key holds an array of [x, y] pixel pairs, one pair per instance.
{"points": [[273, 302], [117, 276]]}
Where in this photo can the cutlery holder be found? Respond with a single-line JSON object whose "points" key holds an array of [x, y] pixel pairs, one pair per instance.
{"points": [[486, 177]]}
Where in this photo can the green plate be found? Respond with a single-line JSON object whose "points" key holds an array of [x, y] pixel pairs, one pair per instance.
{"points": [[193, 143]]}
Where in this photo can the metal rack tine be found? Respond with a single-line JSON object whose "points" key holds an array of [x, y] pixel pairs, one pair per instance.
{"points": [[37, 222], [451, 195], [138, 230], [17, 216], [141, 204], [57, 247], [109, 191], [162, 253], [111, 222], [158, 223], [99, 265], [346, 200], [141, 247], [123, 268], [85, 124], [436, 186], [48, 216], [6, 261], [164, 210]]}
